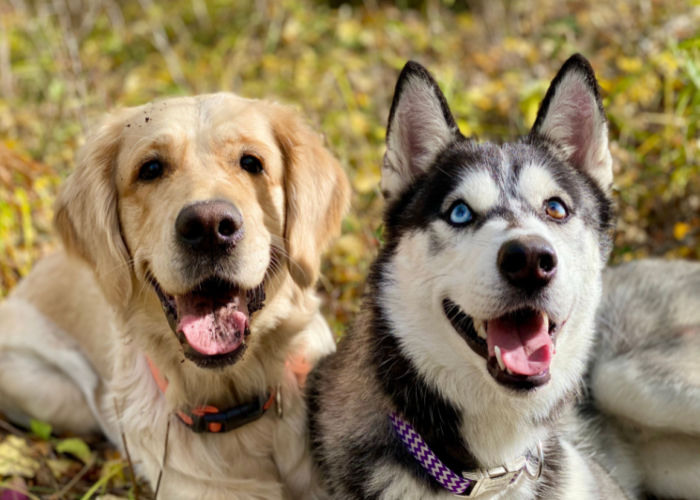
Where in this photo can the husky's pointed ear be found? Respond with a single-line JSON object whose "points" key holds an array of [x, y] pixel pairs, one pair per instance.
{"points": [[572, 117], [420, 126], [86, 212]]}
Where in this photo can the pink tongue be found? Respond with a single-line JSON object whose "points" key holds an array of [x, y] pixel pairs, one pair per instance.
{"points": [[525, 344], [210, 326]]}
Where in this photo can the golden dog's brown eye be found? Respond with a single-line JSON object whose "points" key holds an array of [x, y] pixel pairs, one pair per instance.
{"points": [[556, 209], [151, 170], [251, 164]]}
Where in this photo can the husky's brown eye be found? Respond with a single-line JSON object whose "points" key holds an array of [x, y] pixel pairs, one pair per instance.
{"points": [[251, 164], [150, 170], [556, 209]]}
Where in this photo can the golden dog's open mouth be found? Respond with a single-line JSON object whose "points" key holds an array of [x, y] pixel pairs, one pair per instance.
{"points": [[212, 321]]}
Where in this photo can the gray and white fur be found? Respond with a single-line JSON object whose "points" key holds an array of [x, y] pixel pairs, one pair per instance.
{"points": [[644, 400], [481, 241]]}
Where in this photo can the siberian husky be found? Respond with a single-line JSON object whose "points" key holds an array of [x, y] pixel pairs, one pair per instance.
{"points": [[644, 403], [478, 318]]}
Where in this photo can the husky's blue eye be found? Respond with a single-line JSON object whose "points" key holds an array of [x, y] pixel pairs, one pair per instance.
{"points": [[556, 209], [460, 214]]}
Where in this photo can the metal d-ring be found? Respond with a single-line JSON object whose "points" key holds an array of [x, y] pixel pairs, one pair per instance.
{"points": [[540, 462], [278, 402]]}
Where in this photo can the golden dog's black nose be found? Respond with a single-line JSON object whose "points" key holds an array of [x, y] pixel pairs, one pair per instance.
{"points": [[209, 226], [528, 262]]}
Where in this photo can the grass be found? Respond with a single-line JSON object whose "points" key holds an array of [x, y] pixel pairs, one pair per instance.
{"points": [[63, 63]]}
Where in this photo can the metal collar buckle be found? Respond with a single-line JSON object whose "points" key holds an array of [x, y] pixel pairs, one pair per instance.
{"points": [[500, 477]]}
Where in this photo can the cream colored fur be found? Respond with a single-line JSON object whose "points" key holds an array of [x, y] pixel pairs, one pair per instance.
{"points": [[76, 333]]}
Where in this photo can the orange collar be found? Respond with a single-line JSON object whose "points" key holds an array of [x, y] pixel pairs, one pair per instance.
{"points": [[210, 418]]}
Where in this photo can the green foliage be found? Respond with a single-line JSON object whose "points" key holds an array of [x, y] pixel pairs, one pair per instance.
{"points": [[42, 430], [68, 62], [76, 447]]}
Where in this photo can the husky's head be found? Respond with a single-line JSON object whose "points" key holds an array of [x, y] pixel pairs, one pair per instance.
{"points": [[494, 252]]}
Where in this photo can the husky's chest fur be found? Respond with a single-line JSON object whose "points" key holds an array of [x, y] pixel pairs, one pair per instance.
{"points": [[477, 322]]}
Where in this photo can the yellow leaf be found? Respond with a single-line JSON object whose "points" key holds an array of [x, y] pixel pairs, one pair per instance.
{"points": [[59, 466], [605, 83], [680, 229], [650, 143], [359, 123], [465, 21], [464, 127], [366, 179], [350, 244], [16, 458], [291, 31], [667, 62], [629, 64]]}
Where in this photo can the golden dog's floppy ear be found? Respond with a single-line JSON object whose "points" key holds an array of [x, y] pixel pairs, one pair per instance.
{"points": [[86, 212], [317, 194]]}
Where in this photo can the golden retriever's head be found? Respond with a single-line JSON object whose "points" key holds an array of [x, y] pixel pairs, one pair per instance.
{"points": [[204, 201]]}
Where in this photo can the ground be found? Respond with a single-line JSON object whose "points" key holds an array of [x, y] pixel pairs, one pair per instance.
{"points": [[64, 63]]}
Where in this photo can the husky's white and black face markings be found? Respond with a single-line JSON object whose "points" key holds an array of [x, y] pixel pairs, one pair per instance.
{"points": [[478, 317], [505, 240]]}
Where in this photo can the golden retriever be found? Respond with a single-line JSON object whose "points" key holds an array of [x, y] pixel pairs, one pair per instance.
{"points": [[193, 228]]}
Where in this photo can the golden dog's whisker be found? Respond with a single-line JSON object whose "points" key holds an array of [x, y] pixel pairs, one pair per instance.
{"points": [[290, 260]]}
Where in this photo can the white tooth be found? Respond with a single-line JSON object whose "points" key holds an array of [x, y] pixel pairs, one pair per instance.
{"points": [[481, 329], [499, 358]]}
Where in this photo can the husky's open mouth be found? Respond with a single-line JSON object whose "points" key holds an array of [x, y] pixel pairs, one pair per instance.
{"points": [[212, 321], [517, 346]]}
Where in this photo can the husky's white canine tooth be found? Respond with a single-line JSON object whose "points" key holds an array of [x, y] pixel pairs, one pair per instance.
{"points": [[480, 328], [499, 358]]}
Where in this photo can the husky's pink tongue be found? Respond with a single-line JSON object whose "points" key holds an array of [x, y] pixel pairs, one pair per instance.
{"points": [[524, 341], [212, 326]]}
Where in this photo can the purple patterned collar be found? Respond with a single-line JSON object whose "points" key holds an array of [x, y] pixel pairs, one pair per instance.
{"points": [[468, 484]]}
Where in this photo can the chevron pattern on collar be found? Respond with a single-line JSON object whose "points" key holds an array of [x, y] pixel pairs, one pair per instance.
{"points": [[468, 484]]}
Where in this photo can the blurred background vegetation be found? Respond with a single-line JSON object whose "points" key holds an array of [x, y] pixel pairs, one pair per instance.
{"points": [[63, 63]]}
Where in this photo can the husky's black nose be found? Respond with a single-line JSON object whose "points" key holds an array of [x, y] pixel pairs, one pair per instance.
{"points": [[528, 263], [208, 227]]}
